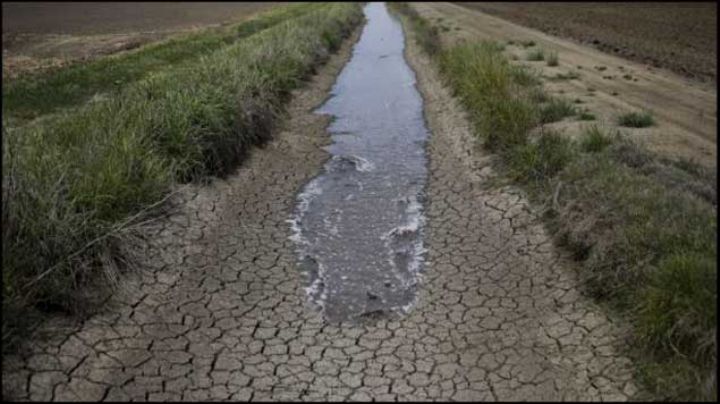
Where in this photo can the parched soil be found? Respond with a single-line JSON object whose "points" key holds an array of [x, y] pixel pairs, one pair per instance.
{"points": [[681, 37], [218, 309], [607, 86], [43, 35]]}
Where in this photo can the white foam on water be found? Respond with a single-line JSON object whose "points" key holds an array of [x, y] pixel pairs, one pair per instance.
{"points": [[415, 224], [312, 290], [360, 164], [309, 192]]}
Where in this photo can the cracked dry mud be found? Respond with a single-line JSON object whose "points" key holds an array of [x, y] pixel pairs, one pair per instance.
{"points": [[218, 310]]}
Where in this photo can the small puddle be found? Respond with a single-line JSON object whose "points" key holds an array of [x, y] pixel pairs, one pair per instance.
{"points": [[358, 225]]}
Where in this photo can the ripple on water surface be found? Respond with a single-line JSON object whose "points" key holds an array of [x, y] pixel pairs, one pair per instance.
{"points": [[358, 225]]}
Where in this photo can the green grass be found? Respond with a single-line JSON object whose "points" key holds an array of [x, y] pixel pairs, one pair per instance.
{"points": [[486, 82], [594, 140], [541, 159], [68, 183], [31, 96], [643, 228], [552, 58], [556, 109], [535, 55], [636, 120]]}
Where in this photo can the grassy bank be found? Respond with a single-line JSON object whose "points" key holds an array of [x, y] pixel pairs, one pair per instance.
{"points": [[71, 182], [33, 95], [642, 227]]}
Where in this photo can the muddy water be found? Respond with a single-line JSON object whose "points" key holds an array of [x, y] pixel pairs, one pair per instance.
{"points": [[358, 224]]}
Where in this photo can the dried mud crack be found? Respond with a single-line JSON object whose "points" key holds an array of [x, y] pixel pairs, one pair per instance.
{"points": [[218, 309]]}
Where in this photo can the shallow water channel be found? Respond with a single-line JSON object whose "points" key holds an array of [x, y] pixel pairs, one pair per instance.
{"points": [[358, 224]]}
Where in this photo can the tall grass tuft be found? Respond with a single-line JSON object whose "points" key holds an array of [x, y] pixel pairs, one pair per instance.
{"points": [[636, 120], [541, 159], [489, 87], [594, 140], [556, 109]]}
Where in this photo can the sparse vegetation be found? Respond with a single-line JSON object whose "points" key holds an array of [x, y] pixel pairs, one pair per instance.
{"points": [[645, 239], [70, 183], [528, 43], [636, 119]]}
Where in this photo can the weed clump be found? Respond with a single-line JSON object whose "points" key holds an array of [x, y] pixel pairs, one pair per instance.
{"points": [[535, 55], [594, 140], [636, 120], [542, 159], [556, 109]]}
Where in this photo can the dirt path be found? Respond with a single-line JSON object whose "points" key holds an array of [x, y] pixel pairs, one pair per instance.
{"points": [[686, 110], [219, 310]]}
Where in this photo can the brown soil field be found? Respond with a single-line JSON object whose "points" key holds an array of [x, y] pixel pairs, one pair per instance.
{"points": [[46, 34], [606, 85], [118, 17], [681, 37]]}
